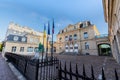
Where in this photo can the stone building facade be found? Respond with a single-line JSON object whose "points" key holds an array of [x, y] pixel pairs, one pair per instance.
{"points": [[81, 38], [22, 40], [112, 17]]}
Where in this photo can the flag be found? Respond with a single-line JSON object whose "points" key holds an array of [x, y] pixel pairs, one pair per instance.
{"points": [[53, 27], [48, 28], [44, 31]]}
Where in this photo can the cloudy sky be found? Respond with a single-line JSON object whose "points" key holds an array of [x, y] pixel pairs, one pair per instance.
{"points": [[36, 13]]}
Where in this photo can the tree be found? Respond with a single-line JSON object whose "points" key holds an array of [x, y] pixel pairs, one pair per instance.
{"points": [[41, 47], [1, 46]]}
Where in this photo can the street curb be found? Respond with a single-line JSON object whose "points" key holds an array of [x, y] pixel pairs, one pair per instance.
{"points": [[16, 72]]}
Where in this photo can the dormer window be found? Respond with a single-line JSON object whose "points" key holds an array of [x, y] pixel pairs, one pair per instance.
{"points": [[81, 25], [23, 39], [74, 27], [15, 38], [84, 24], [62, 31]]}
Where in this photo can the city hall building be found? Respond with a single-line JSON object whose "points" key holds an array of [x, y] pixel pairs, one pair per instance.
{"points": [[22, 39], [81, 38]]}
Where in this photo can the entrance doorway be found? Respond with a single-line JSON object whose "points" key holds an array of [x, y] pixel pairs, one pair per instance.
{"points": [[104, 50]]}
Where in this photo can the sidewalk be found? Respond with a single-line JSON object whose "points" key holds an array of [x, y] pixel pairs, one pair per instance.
{"points": [[5, 71]]}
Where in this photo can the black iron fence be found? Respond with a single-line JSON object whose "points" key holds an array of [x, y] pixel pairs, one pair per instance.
{"points": [[51, 69], [35, 69], [66, 73]]}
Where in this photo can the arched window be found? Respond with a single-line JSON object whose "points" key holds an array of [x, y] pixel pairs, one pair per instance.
{"points": [[86, 45]]}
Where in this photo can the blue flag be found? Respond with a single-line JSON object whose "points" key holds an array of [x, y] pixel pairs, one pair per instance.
{"points": [[48, 28], [53, 27]]}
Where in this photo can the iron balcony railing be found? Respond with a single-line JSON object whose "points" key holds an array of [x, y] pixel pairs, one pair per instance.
{"points": [[101, 36]]}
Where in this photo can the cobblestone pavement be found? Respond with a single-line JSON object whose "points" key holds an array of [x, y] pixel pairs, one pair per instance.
{"points": [[98, 62], [5, 71]]}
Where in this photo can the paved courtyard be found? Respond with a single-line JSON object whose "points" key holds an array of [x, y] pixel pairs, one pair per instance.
{"points": [[5, 71], [98, 62]]}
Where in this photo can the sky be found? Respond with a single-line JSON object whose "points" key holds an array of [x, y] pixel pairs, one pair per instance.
{"points": [[36, 13]]}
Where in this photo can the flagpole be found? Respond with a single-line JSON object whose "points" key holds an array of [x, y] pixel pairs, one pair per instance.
{"points": [[47, 47], [43, 46], [52, 39], [43, 41], [52, 47], [47, 40]]}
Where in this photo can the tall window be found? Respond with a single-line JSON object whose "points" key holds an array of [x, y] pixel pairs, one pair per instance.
{"points": [[85, 35], [30, 49], [21, 49], [66, 38], [13, 49], [86, 45], [75, 36], [70, 38]]}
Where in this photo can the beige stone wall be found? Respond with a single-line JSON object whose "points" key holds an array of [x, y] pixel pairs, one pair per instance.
{"points": [[9, 46], [112, 17], [33, 39], [93, 50], [91, 30]]}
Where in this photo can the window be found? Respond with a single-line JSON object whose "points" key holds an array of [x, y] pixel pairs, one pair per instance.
{"points": [[30, 49], [86, 45], [60, 38], [66, 38], [74, 27], [84, 24], [88, 23], [36, 40], [15, 38], [75, 36], [14, 49], [81, 25], [85, 35], [76, 47], [71, 47], [66, 47], [31, 40], [70, 38], [36, 49], [21, 49], [23, 39], [14, 32], [62, 31]]}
